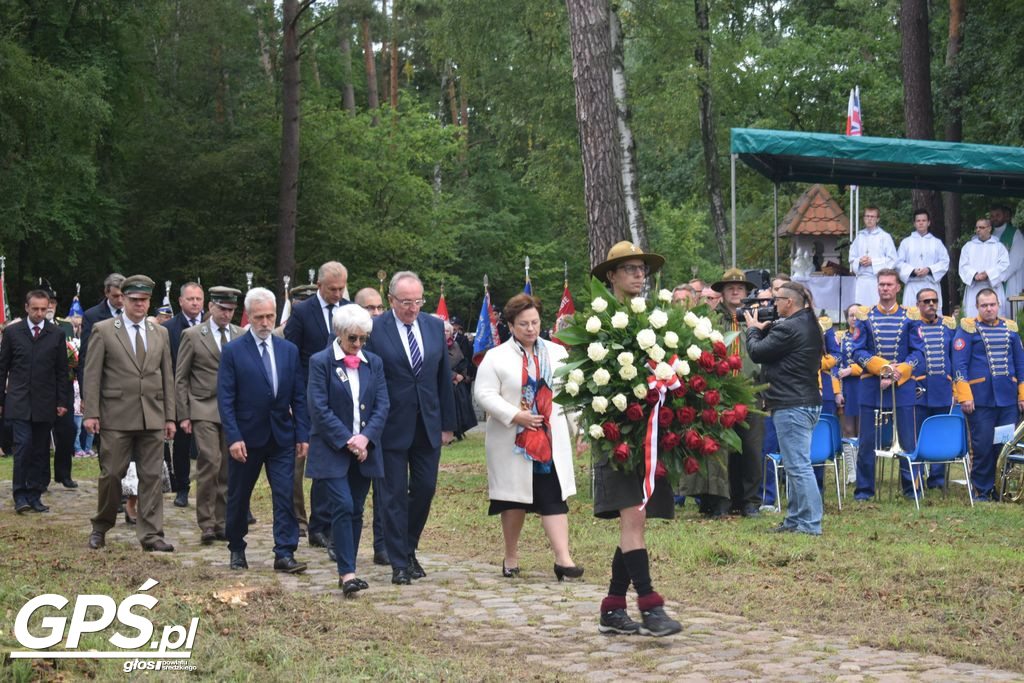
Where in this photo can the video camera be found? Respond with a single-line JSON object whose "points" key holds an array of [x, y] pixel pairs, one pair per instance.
{"points": [[763, 310]]}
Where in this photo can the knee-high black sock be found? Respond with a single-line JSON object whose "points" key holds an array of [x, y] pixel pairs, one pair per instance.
{"points": [[618, 585], [638, 565]]}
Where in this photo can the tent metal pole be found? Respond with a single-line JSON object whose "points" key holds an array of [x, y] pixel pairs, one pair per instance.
{"points": [[732, 176], [775, 203]]}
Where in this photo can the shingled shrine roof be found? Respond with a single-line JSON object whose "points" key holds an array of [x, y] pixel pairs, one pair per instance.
{"points": [[815, 213]]}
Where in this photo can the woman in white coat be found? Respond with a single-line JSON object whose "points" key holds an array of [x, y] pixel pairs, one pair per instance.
{"points": [[529, 450]]}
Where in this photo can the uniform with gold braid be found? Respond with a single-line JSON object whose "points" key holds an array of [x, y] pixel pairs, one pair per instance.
{"points": [[934, 380], [885, 343], [988, 362]]}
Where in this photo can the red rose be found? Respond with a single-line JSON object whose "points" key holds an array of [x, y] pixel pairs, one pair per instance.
{"points": [[698, 383], [670, 440], [665, 416], [722, 368], [611, 431], [709, 416], [720, 349], [635, 412], [690, 465], [653, 396], [692, 439], [706, 361], [680, 391], [728, 419], [712, 398], [686, 415], [741, 411], [708, 446], [660, 472], [735, 362], [621, 452]]}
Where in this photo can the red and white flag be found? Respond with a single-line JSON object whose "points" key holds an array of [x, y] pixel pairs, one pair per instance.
{"points": [[442, 308], [566, 309], [853, 123]]}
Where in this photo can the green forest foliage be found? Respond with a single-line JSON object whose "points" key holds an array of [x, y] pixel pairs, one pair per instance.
{"points": [[144, 136]]}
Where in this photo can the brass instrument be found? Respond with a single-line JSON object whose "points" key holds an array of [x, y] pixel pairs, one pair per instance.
{"points": [[1010, 468], [884, 418]]}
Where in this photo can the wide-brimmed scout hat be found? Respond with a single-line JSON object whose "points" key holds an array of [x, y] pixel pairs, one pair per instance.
{"points": [[625, 251], [733, 276]]}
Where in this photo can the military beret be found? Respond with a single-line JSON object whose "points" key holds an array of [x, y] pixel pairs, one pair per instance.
{"points": [[302, 292], [224, 295], [137, 284]]}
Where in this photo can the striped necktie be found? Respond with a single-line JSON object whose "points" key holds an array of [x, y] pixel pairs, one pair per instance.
{"points": [[414, 350]]}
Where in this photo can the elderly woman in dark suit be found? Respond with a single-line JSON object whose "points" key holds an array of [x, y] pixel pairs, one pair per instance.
{"points": [[348, 406]]}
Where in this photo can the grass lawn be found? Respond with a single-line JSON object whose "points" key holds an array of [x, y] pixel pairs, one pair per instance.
{"points": [[948, 580]]}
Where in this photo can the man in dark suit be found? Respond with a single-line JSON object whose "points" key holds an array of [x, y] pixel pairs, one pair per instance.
{"points": [[190, 301], [111, 306], [262, 402], [64, 425], [421, 419], [309, 328], [34, 391]]}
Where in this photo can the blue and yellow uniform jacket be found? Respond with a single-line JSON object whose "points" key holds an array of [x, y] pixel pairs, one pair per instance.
{"points": [[988, 362], [883, 338], [934, 377], [829, 382]]}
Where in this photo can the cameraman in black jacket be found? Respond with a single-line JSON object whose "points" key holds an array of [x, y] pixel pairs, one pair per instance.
{"points": [[789, 351]]}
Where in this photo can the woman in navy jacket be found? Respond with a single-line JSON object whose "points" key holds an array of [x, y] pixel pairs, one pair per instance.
{"points": [[348, 406]]}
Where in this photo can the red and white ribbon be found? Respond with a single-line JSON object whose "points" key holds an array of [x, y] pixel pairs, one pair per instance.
{"points": [[662, 386]]}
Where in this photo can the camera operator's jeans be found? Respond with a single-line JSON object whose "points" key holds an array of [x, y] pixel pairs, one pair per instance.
{"points": [[794, 427]]}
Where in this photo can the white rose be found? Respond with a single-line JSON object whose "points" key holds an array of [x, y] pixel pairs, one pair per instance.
{"points": [[706, 325], [693, 352], [572, 388], [658, 318], [638, 304], [620, 320], [577, 376], [656, 353], [663, 371], [665, 295], [700, 333], [599, 404], [640, 391], [596, 432], [620, 402], [683, 369], [627, 372], [671, 340], [601, 377], [593, 324], [596, 352], [599, 305], [691, 319], [646, 338], [625, 358], [716, 336]]}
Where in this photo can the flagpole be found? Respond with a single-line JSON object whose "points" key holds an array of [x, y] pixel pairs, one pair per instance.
{"points": [[565, 274], [380, 280]]}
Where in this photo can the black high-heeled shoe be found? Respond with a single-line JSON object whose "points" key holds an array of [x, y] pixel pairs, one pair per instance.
{"points": [[509, 572], [574, 572]]}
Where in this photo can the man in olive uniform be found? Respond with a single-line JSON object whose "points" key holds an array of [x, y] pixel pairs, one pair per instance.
{"points": [[195, 384], [130, 383]]}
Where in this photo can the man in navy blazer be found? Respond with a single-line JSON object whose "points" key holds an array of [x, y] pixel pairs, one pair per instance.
{"points": [[190, 301], [262, 405], [112, 304], [421, 418], [309, 328]]}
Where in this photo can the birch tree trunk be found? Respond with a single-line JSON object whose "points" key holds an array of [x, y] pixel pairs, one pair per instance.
{"points": [[631, 192], [708, 136], [596, 115]]}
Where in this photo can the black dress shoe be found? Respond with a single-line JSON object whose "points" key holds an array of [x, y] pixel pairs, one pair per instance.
{"points": [[252, 520], [220, 535], [400, 577], [510, 572], [350, 587], [332, 555], [181, 500], [381, 558], [238, 560], [128, 519], [37, 506], [751, 510], [318, 539], [415, 570], [97, 540], [69, 483], [289, 565], [362, 584], [574, 572], [22, 506], [208, 536], [158, 546]]}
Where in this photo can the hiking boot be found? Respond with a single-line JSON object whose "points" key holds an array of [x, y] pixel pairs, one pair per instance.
{"points": [[617, 621], [657, 623]]}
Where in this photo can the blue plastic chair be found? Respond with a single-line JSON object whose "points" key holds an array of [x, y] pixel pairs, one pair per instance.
{"points": [[837, 445], [943, 440], [822, 454]]}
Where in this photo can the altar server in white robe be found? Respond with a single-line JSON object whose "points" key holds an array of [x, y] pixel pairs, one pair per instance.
{"points": [[873, 250], [1012, 238], [922, 260], [983, 263]]}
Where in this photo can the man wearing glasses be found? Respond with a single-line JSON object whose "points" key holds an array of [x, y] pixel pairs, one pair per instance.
{"points": [[934, 377], [421, 418], [369, 299]]}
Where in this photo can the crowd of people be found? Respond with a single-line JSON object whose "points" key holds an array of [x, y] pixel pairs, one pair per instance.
{"points": [[363, 396]]}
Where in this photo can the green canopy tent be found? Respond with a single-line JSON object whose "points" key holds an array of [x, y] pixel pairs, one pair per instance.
{"points": [[881, 162]]}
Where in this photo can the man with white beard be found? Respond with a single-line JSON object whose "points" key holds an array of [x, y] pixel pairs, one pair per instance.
{"points": [[872, 250], [922, 260]]}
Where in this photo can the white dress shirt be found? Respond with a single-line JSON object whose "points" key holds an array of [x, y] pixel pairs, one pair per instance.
{"points": [[324, 315], [114, 312], [353, 384], [130, 326], [403, 334], [215, 329], [270, 349], [921, 251]]}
